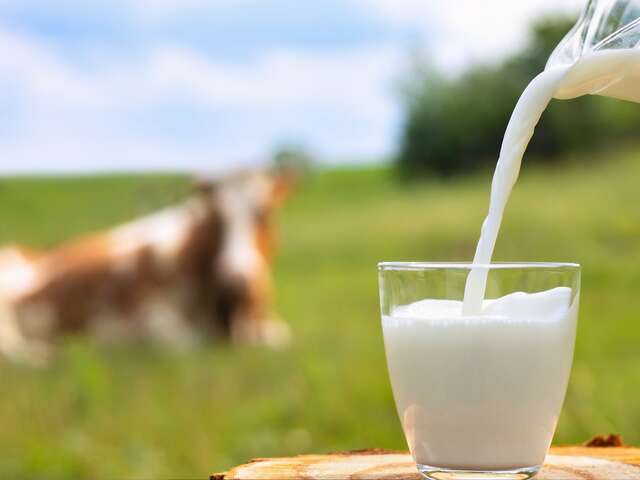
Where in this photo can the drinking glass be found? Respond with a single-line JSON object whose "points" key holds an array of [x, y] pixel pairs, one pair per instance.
{"points": [[479, 396]]}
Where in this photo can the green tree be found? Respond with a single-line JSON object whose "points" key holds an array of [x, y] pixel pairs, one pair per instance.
{"points": [[293, 157], [456, 125]]}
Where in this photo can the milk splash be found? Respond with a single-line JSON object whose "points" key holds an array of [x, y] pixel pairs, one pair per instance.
{"points": [[612, 73]]}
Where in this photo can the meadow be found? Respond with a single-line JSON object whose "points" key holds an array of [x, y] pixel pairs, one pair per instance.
{"points": [[134, 412]]}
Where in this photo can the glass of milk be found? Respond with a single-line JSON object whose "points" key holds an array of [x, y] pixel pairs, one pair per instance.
{"points": [[479, 395]]}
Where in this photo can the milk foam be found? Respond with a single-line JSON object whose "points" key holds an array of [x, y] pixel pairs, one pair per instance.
{"points": [[612, 73], [483, 391], [548, 306]]}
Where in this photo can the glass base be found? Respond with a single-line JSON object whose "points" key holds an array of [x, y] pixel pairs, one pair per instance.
{"points": [[439, 473]]}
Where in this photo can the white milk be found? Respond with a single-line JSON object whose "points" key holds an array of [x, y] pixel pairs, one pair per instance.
{"points": [[484, 391], [612, 73]]}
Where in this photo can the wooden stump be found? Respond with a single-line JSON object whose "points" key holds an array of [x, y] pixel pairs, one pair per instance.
{"points": [[562, 463]]}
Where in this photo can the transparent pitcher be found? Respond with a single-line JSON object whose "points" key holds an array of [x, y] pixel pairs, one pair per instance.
{"points": [[605, 42], [603, 25]]}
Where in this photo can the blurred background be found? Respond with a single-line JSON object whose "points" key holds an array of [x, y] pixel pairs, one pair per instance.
{"points": [[391, 113]]}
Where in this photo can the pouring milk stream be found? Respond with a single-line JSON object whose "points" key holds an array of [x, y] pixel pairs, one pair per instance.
{"points": [[599, 56]]}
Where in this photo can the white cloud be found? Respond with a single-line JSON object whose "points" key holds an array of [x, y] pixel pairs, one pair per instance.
{"points": [[69, 113], [39, 72], [469, 30], [352, 79], [340, 102]]}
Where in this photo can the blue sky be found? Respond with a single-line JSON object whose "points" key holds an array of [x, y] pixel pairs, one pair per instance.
{"points": [[215, 85]]}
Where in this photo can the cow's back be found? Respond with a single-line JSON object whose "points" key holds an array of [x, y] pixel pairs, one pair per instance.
{"points": [[118, 271]]}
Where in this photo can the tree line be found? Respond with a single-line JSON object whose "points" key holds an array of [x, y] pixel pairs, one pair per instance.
{"points": [[455, 125]]}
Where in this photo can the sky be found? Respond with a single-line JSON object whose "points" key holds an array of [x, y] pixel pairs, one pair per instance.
{"points": [[214, 85]]}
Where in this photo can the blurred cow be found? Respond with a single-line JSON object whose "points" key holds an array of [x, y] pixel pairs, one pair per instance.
{"points": [[196, 270]]}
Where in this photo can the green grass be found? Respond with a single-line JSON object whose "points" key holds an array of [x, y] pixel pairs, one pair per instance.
{"points": [[144, 413]]}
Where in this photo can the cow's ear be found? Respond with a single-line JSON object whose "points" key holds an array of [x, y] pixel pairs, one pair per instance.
{"points": [[285, 181], [202, 185]]}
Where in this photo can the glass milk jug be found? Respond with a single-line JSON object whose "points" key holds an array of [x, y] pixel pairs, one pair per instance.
{"points": [[607, 38]]}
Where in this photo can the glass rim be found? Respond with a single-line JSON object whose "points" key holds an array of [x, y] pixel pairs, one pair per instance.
{"points": [[470, 265]]}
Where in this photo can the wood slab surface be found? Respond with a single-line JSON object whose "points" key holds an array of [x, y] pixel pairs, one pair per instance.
{"points": [[597, 460]]}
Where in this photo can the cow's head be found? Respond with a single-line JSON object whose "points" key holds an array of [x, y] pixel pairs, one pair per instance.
{"points": [[246, 204]]}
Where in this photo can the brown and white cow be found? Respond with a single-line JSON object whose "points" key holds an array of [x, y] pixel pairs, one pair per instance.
{"points": [[197, 270]]}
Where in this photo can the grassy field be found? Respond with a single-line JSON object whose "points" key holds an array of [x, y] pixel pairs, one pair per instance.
{"points": [[144, 413]]}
